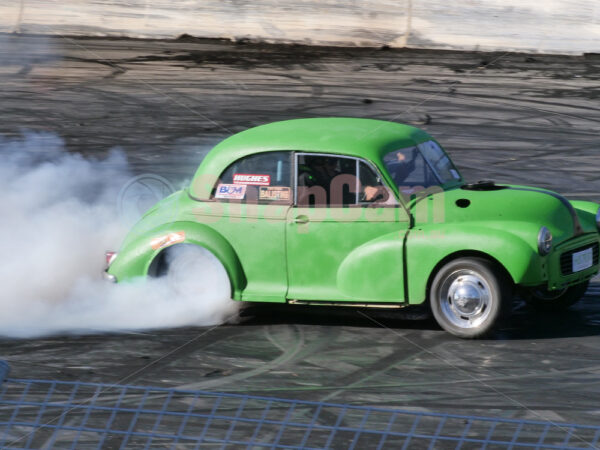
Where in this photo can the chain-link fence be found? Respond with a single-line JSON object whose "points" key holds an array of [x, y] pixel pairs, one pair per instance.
{"points": [[54, 414]]}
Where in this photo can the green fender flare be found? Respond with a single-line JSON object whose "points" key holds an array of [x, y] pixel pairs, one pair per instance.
{"points": [[139, 255]]}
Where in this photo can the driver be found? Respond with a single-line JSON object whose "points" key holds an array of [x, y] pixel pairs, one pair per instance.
{"points": [[401, 166]]}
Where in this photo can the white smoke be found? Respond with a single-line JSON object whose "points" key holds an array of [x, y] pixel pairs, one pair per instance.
{"points": [[59, 216]]}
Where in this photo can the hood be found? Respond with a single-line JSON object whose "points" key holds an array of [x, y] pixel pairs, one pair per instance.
{"points": [[518, 209]]}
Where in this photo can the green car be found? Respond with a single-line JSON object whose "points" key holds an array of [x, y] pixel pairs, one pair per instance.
{"points": [[368, 213]]}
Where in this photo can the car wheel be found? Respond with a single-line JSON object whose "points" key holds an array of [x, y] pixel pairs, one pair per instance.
{"points": [[557, 300], [192, 270], [469, 296]]}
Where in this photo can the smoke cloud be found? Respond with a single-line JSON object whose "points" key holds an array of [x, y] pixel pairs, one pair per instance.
{"points": [[59, 216]]}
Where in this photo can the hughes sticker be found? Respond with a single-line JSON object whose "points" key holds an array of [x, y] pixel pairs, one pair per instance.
{"points": [[252, 179], [275, 193], [232, 191], [167, 239]]}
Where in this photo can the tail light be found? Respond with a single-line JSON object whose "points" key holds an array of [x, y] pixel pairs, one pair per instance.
{"points": [[110, 257]]}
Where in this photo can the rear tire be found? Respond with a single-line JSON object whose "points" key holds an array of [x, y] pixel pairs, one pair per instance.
{"points": [[544, 300], [191, 270], [469, 297]]}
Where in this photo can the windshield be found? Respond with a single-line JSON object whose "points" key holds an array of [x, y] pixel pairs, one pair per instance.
{"points": [[417, 168]]}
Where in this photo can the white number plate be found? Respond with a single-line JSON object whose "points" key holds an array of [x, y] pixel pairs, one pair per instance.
{"points": [[582, 260]]}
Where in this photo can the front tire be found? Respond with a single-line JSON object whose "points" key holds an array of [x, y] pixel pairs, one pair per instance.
{"points": [[544, 300], [469, 297]]}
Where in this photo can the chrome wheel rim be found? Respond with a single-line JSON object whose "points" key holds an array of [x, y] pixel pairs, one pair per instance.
{"points": [[465, 299]]}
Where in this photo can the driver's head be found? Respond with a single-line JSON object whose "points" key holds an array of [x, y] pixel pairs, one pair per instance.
{"points": [[401, 164]]}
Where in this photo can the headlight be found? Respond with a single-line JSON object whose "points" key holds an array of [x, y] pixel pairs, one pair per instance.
{"points": [[598, 219], [544, 241]]}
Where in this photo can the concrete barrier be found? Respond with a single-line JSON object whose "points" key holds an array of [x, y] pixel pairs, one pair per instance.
{"points": [[548, 26]]}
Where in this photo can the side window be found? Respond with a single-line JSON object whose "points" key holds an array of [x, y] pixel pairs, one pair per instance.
{"points": [[326, 180], [262, 177], [372, 189]]}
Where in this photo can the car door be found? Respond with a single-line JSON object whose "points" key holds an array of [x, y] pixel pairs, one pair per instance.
{"points": [[342, 244]]}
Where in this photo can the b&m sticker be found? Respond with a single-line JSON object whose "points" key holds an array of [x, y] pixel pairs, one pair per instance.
{"points": [[231, 191], [252, 179]]}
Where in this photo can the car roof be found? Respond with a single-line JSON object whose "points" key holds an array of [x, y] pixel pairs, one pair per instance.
{"points": [[361, 138]]}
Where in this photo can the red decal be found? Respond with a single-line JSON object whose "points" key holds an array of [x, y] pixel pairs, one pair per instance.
{"points": [[252, 179], [167, 239]]}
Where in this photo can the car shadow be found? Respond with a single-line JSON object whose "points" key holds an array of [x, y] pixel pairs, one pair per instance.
{"points": [[414, 318], [525, 322], [580, 320]]}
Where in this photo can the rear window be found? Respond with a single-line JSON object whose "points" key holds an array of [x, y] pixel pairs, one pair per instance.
{"points": [[262, 177]]}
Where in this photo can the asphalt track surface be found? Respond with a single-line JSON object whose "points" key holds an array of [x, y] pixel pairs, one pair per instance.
{"points": [[525, 119]]}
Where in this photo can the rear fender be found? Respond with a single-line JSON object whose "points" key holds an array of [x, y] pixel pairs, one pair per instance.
{"points": [[136, 259]]}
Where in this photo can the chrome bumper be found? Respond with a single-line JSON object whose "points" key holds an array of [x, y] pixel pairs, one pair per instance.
{"points": [[559, 274], [109, 277]]}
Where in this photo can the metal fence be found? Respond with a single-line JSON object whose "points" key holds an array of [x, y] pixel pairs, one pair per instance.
{"points": [[55, 414]]}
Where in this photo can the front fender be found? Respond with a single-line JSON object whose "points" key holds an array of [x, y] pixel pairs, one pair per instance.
{"points": [[428, 247], [586, 211], [135, 258]]}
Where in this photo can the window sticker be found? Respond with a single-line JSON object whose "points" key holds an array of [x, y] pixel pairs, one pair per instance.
{"points": [[167, 239], [274, 193], [252, 179], [231, 191]]}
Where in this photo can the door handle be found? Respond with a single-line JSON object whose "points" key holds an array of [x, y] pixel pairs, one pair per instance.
{"points": [[301, 219]]}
